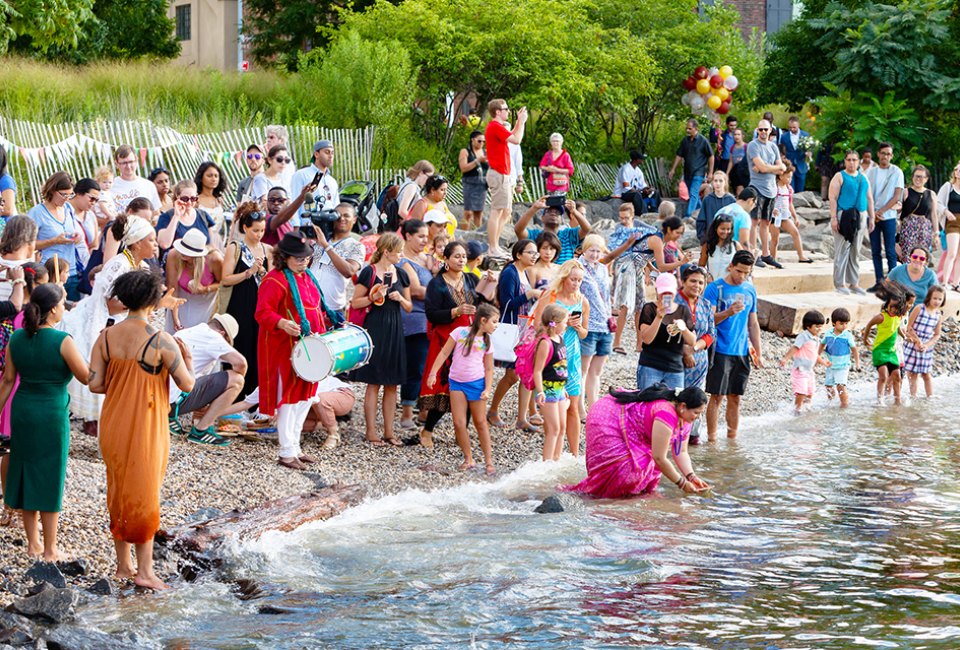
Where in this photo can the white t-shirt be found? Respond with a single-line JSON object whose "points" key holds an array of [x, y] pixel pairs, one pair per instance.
{"points": [[126, 191], [328, 187], [207, 347], [883, 183], [332, 283], [630, 176]]}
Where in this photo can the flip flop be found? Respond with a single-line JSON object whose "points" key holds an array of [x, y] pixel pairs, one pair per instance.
{"points": [[490, 470], [376, 443], [806, 261], [526, 427], [498, 422], [292, 464], [619, 350]]}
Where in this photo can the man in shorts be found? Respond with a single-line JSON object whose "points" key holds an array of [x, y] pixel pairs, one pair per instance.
{"points": [[765, 163], [734, 302], [499, 179], [210, 345]]}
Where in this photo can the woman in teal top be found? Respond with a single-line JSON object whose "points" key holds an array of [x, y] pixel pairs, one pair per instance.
{"points": [[849, 189], [46, 359]]}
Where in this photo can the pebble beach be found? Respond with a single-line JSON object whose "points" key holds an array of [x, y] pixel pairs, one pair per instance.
{"points": [[202, 481]]}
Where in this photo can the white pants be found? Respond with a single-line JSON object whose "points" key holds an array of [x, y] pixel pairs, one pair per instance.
{"points": [[290, 418]]}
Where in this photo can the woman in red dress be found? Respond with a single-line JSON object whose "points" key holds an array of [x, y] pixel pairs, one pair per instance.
{"points": [[288, 306]]}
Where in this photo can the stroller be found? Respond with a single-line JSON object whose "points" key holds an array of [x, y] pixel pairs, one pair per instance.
{"points": [[362, 195]]}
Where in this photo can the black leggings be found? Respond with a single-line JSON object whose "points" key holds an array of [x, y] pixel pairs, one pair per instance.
{"points": [[434, 416]]}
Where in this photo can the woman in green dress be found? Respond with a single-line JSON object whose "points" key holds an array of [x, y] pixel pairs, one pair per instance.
{"points": [[46, 359]]}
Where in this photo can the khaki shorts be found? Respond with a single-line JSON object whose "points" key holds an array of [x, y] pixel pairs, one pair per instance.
{"points": [[501, 190]]}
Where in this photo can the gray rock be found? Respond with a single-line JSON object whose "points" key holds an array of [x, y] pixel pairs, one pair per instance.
{"points": [[102, 587], [807, 200], [74, 568], [46, 572], [51, 603], [71, 637], [15, 630], [204, 514], [550, 505]]}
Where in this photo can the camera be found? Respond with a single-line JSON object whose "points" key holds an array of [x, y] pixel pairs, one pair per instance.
{"points": [[313, 210]]}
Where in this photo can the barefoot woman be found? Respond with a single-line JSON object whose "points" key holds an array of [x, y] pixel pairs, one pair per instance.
{"points": [[131, 362]]}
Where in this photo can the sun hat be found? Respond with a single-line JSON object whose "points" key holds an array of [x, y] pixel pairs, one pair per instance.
{"points": [[229, 325], [666, 283], [295, 244], [192, 244]]}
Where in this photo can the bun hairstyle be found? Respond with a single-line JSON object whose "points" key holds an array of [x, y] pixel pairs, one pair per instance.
{"points": [[245, 210], [138, 289], [43, 299]]}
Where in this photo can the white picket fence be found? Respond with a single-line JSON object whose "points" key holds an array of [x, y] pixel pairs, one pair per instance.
{"points": [[35, 151]]}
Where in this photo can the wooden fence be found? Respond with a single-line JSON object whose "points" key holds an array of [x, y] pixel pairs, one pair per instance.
{"points": [[35, 151]]}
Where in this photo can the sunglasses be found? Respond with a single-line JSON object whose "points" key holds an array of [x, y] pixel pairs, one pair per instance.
{"points": [[281, 159], [919, 258], [188, 199], [254, 156], [481, 141], [762, 130], [277, 199], [257, 216]]}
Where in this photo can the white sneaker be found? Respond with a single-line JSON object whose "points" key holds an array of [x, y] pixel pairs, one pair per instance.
{"points": [[843, 291], [859, 291]]}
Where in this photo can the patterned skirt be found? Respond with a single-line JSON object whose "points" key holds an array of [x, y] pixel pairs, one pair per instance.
{"points": [[915, 230]]}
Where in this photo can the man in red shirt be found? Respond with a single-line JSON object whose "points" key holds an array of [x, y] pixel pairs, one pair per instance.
{"points": [[498, 176]]}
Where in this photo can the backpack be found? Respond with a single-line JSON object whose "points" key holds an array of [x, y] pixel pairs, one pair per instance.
{"points": [[526, 351], [390, 220]]}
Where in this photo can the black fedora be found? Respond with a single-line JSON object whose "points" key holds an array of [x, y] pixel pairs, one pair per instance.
{"points": [[295, 244]]}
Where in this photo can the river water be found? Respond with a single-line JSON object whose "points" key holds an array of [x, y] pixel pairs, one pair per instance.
{"points": [[830, 530]]}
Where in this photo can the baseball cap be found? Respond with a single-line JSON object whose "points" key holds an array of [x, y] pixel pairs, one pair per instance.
{"points": [[666, 283], [322, 144], [475, 249], [436, 215]]}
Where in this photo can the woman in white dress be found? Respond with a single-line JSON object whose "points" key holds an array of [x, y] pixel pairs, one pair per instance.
{"points": [[85, 322]]}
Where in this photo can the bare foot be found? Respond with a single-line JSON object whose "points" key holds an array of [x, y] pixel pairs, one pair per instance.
{"points": [[466, 466], [491, 470], [35, 551], [125, 573], [52, 557], [150, 582]]}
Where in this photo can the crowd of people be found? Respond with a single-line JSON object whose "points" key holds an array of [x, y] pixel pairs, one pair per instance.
{"points": [[152, 309]]}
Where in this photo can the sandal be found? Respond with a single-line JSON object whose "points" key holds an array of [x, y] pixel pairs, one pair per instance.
{"points": [[806, 260], [494, 420], [526, 427], [619, 350], [378, 442], [536, 420], [490, 470], [293, 463], [393, 441]]}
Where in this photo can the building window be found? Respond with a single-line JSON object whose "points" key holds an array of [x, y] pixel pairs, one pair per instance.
{"points": [[183, 23], [779, 13]]}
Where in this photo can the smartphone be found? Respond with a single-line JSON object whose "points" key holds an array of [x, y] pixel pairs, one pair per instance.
{"points": [[316, 179], [556, 201], [576, 314], [388, 280], [667, 301]]}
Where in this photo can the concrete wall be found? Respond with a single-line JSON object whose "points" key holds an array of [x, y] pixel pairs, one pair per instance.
{"points": [[213, 33]]}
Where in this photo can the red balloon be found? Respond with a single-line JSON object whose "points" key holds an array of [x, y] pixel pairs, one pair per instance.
{"points": [[716, 81], [701, 72], [724, 108], [689, 83]]}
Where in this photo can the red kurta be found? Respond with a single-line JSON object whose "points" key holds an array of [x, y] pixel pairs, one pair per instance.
{"points": [[275, 347]]}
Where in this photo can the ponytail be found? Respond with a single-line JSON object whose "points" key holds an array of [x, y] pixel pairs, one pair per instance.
{"points": [[34, 274], [43, 300], [119, 226], [691, 397]]}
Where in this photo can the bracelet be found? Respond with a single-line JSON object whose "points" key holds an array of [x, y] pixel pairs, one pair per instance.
{"points": [[688, 477], [18, 281], [681, 482]]}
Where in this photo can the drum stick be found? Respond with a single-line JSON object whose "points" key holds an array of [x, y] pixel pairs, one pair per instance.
{"points": [[305, 350], [56, 268]]}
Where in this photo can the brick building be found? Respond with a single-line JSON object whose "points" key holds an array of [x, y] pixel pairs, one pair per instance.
{"points": [[764, 15]]}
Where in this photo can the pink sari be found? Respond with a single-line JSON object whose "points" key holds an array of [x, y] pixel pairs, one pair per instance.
{"points": [[619, 455], [5, 414]]}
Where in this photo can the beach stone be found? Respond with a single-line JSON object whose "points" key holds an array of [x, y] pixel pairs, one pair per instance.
{"points": [[15, 630], [270, 610], [71, 637], [51, 603], [102, 587], [550, 505], [74, 568], [47, 572], [807, 200], [203, 514]]}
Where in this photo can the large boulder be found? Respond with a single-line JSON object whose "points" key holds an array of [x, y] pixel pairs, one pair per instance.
{"points": [[50, 602], [807, 200]]}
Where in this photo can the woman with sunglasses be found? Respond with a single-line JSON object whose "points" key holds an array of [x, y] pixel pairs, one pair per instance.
{"points": [[193, 270], [434, 197], [245, 263], [473, 169], [60, 233], [161, 178], [915, 274], [174, 224], [274, 175], [919, 225]]}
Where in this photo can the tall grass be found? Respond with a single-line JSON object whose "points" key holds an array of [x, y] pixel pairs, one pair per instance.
{"points": [[189, 99]]}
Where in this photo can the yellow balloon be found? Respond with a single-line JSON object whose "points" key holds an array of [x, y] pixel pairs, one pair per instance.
{"points": [[703, 86], [714, 102], [722, 93], [726, 71]]}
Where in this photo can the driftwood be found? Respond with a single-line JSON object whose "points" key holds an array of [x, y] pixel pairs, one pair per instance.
{"points": [[198, 542]]}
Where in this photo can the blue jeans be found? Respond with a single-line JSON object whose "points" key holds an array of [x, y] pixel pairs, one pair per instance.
{"points": [[694, 189], [647, 376], [884, 232]]}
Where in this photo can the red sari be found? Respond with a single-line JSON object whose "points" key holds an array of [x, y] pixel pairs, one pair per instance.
{"points": [[275, 347]]}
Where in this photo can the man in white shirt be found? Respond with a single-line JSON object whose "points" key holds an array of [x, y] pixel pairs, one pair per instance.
{"points": [[128, 185], [631, 186], [338, 260], [328, 191], [210, 344], [886, 186]]}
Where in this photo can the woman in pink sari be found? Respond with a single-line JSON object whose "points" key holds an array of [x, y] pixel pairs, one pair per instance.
{"points": [[631, 437]]}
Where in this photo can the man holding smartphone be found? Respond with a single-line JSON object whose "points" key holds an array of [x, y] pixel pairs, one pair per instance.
{"points": [[499, 177], [318, 173]]}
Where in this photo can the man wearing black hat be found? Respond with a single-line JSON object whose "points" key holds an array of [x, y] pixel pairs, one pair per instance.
{"points": [[254, 160], [632, 186], [328, 191]]}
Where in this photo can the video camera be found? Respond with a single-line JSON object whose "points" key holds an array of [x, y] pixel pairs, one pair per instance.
{"points": [[313, 209]]}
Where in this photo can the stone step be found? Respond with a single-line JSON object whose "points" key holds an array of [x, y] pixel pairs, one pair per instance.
{"points": [[803, 278], [783, 312]]}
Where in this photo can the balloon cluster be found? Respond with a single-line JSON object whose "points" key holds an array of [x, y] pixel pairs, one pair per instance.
{"points": [[710, 91]]}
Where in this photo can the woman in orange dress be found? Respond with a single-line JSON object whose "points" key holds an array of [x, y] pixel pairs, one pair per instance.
{"points": [[131, 363]]}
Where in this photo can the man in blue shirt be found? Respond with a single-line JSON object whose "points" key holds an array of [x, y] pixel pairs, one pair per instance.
{"points": [[552, 218], [734, 302], [739, 212]]}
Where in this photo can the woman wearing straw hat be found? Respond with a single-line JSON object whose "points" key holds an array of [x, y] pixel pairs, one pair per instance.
{"points": [[91, 315], [289, 307], [194, 270]]}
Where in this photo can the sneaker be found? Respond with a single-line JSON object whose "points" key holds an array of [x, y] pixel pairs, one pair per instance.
{"points": [[769, 259], [859, 291], [206, 437], [843, 291], [759, 263]]}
